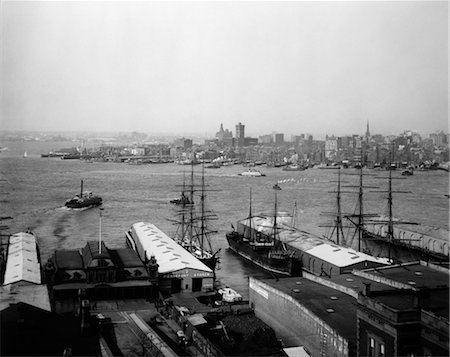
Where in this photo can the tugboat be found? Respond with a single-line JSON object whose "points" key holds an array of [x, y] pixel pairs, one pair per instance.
{"points": [[83, 199], [266, 251], [183, 200]]}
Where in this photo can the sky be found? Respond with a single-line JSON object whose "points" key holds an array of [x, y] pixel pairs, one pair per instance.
{"points": [[186, 67]]}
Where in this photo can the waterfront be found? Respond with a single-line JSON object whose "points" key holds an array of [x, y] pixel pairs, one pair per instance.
{"points": [[34, 189]]}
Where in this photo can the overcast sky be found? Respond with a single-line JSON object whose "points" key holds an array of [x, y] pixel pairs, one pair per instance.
{"points": [[170, 67]]}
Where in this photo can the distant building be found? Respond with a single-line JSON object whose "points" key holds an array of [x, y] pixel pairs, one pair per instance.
{"points": [[279, 138], [250, 141], [331, 147], [367, 133], [240, 134], [224, 137], [187, 143], [266, 139], [439, 139]]}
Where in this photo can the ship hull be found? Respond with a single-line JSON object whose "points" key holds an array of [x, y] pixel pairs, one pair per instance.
{"points": [[278, 266], [96, 201]]}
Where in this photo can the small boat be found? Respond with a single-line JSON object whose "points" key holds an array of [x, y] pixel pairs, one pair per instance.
{"points": [[407, 172], [183, 200], [252, 173], [293, 167], [83, 199], [276, 187], [25, 154], [229, 295]]}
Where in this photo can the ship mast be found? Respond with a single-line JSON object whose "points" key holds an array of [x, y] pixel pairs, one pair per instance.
{"points": [[390, 233], [275, 219], [250, 217], [338, 221], [191, 210], [360, 202], [81, 192], [202, 217]]}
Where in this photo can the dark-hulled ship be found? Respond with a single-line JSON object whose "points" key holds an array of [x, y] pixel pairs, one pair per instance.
{"points": [[83, 199], [262, 249]]}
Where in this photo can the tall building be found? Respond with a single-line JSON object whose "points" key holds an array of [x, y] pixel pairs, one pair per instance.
{"points": [[367, 132], [279, 138], [240, 134], [224, 136]]}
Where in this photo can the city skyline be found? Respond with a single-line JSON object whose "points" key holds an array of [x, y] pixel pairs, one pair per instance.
{"points": [[292, 67]]}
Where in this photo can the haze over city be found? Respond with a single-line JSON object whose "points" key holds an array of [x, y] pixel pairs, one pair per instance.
{"points": [[186, 67]]}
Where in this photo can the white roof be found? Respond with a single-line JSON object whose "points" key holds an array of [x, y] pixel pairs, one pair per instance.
{"points": [[342, 256], [22, 263], [307, 242], [169, 254], [298, 351]]}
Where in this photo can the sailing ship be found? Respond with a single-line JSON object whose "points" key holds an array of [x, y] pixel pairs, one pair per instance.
{"points": [[376, 233], [266, 251], [83, 199], [193, 232]]}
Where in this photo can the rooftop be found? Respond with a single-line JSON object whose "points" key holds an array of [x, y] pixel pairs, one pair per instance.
{"points": [[68, 259], [22, 263], [336, 308], [307, 242], [170, 255], [417, 275], [125, 258]]}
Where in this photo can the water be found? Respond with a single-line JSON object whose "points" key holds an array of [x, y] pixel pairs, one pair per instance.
{"points": [[33, 191]]}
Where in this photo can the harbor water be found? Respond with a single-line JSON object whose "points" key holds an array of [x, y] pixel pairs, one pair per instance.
{"points": [[34, 189]]}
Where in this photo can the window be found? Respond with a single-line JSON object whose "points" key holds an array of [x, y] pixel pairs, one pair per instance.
{"points": [[382, 350], [371, 347], [376, 346]]}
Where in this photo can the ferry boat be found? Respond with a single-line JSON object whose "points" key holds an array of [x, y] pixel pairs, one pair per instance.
{"points": [[83, 199], [252, 173]]}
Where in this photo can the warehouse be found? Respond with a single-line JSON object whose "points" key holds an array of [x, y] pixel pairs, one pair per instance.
{"points": [[178, 269], [315, 255]]}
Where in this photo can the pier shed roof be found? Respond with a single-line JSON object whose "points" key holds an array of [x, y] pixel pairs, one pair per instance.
{"points": [[22, 262], [307, 242], [342, 256], [169, 254]]}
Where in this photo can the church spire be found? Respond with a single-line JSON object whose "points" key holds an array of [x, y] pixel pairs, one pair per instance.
{"points": [[367, 131]]}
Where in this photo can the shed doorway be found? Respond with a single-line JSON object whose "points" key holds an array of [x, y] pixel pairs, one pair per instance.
{"points": [[197, 284]]}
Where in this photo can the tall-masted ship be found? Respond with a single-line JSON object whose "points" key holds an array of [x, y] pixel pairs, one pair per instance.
{"points": [[266, 251], [193, 232]]}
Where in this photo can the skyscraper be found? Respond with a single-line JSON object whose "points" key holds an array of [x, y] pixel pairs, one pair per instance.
{"points": [[240, 134], [367, 132]]}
